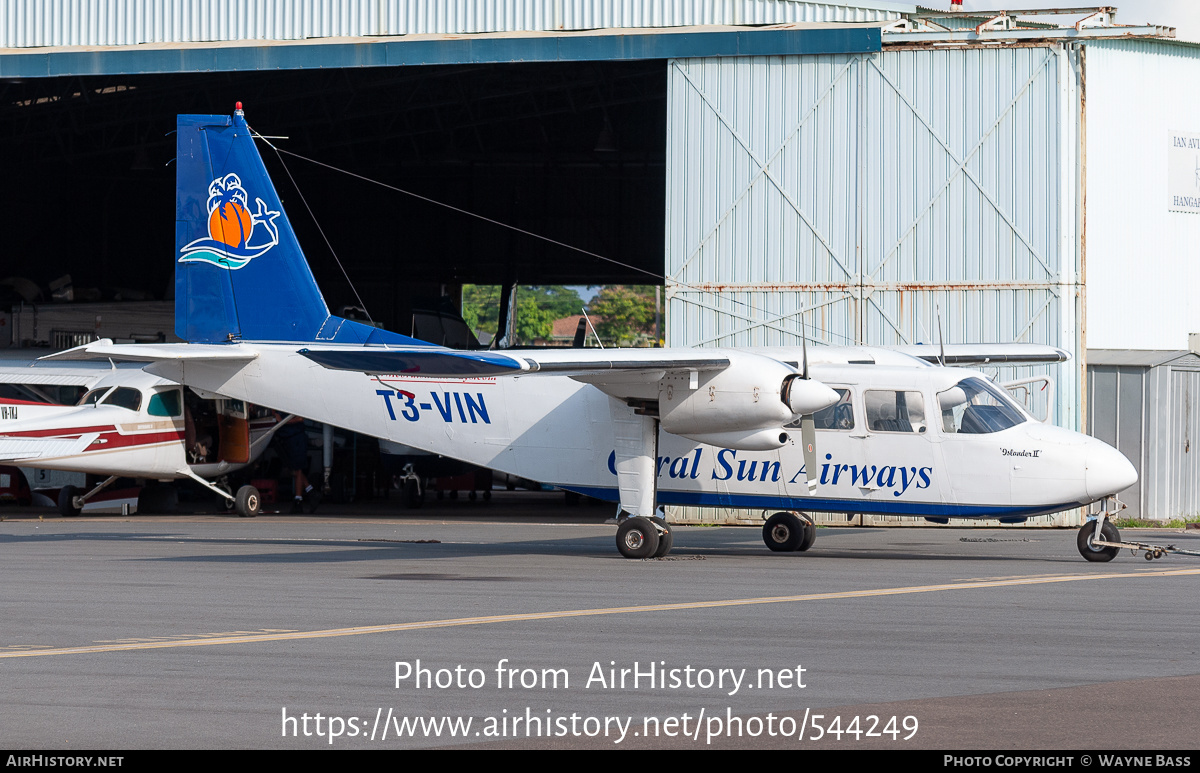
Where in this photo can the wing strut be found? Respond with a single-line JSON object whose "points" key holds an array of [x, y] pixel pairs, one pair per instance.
{"points": [[636, 451]]}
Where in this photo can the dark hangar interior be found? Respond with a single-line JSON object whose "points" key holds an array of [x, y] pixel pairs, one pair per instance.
{"points": [[571, 151]]}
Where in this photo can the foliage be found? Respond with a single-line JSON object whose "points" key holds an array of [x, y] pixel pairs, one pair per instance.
{"points": [[537, 308], [624, 314], [1139, 523], [480, 307]]}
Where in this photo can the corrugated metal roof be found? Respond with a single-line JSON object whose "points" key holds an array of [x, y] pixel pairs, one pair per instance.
{"points": [[534, 46], [43, 23], [1148, 358]]}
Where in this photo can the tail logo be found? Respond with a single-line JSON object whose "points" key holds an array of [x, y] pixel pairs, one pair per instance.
{"points": [[232, 228]]}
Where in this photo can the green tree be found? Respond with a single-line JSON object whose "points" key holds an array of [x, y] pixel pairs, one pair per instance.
{"points": [[480, 307], [533, 321], [537, 308], [558, 300], [624, 314]]}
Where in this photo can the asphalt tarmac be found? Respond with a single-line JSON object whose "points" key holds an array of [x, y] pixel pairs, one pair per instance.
{"points": [[517, 624]]}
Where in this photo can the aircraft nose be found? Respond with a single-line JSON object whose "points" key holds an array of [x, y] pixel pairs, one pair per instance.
{"points": [[1108, 471]]}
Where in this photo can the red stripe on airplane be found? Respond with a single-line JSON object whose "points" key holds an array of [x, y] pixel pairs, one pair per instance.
{"points": [[64, 432], [116, 440]]}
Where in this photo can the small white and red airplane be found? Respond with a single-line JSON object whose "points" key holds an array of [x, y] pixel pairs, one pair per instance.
{"points": [[130, 423], [837, 429]]}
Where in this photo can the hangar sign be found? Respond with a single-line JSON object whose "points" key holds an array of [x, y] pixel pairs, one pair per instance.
{"points": [[1183, 172]]}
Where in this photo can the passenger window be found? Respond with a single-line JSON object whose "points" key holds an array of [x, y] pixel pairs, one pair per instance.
{"points": [[124, 397], [165, 404], [894, 411]]}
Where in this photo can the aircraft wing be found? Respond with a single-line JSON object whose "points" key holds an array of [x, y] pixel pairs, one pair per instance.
{"points": [[987, 354], [586, 364], [34, 372], [591, 365]]}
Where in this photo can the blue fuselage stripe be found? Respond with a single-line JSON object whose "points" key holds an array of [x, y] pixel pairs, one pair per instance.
{"points": [[866, 506]]}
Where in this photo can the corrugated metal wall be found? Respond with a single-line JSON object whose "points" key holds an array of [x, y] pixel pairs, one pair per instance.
{"points": [[1117, 402], [874, 189], [1185, 420], [1150, 414], [1143, 261], [36, 23]]}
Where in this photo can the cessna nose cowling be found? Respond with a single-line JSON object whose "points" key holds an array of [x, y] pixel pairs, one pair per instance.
{"points": [[1108, 471]]}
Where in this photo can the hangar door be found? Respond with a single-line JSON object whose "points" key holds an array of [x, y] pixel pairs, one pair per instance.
{"points": [[874, 189]]}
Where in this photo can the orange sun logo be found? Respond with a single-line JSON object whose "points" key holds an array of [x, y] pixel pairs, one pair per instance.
{"points": [[229, 221]]}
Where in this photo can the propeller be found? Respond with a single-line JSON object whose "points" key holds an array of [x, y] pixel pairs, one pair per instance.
{"points": [[808, 424]]}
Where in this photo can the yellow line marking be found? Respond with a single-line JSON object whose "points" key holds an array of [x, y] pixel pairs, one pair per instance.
{"points": [[238, 637]]}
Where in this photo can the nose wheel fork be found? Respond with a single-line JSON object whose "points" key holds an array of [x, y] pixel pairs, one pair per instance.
{"points": [[1099, 540]]}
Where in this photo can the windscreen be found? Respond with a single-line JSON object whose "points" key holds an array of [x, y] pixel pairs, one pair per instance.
{"points": [[975, 407]]}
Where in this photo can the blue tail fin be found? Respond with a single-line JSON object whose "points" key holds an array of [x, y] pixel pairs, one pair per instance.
{"points": [[239, 272]]}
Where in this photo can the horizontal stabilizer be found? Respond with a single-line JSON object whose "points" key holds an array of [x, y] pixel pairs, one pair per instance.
{"points": [[987, 354], [105, 349]]}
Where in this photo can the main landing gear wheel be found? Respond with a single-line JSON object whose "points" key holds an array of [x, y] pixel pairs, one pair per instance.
{"points": [[1093, 552], [666, 539], [66, 502], [784, 533], [637, 538], [810, 535], [247, 503]]}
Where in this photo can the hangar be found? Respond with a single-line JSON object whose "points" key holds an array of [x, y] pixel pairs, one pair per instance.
{"points": [[874, 165]]}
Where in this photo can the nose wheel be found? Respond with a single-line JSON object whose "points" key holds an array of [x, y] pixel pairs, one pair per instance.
{"points": [[1091, 538], [1099, 540]]}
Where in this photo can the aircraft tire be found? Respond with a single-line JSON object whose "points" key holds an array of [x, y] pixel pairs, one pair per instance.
{"points": [[248, 503], [1092, 552], [66, 502], [666, 538], [637, 538], [810, 536], [783, 533]]}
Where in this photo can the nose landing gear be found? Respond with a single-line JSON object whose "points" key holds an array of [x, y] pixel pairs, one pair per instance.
{"points": [[1099, 540]]}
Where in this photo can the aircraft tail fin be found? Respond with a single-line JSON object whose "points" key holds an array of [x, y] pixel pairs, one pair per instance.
{"points": [[239, 271]]}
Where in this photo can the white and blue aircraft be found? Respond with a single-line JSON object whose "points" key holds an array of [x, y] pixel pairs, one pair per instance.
{"points": [[834, 429]]}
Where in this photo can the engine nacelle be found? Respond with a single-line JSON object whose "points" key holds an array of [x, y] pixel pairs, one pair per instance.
{"points": [[754, 440], [744, 406]]}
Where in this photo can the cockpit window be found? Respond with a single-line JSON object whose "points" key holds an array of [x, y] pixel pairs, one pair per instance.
{"points": [[92, 397], [165, 404], [975, 407], [124, 397], [840, 415]]}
